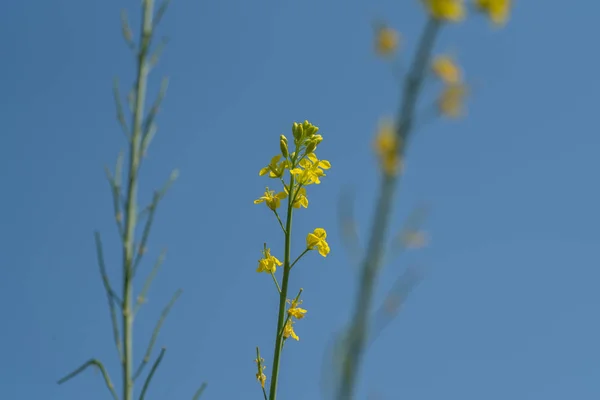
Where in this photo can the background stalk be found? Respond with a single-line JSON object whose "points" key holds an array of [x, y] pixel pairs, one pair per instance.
{"points": [[354, 347], [126, 213], [131, 197]]}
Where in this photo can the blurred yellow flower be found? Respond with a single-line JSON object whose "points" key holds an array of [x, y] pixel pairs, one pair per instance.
{"points": [[268, 263], [386, 146], [317, 239], [294, 310], [386, 41], [445, 68], [448, 10], [451, 101], [497, 10], [272, 200], [414, 239], [288, 330]]}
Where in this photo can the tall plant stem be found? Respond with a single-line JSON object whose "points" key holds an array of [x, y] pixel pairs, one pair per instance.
{"points": [[131, 197], [358, 330], [282, 296]]}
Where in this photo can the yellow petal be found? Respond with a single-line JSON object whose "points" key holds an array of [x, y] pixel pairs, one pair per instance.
{"points": [[324, 164], [297, 313], [276, 261], [324, 249], [321, 233]]}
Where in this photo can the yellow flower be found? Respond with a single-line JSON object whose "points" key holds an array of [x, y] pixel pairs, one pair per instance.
{"points": [[446, 69], [260, 375], [451, 100], [449, 10], [300, 196], [268, 263], [272, 200], [275, 168], [497, 10], [310, 169], [386, 41], [317, 239], [288, 330], [386, 147], [294, 310]]}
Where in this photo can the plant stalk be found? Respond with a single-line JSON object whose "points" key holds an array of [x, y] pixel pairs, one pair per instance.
{"points": [[131, 198], [282, 296], [374, 254]]}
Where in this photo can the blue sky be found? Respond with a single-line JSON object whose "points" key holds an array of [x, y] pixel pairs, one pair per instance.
{"points": [[509, 304]]}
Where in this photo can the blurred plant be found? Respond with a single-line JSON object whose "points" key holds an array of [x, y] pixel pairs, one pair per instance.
{"points": [[390, 145], [128, 217], [304, 169]]}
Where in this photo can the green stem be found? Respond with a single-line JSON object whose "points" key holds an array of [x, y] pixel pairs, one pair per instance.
{"points": [[99, 365], [374, 254], [282, 296], [151, 374], [279, 219], [131, 202], [299, 257], [199, 391], [276, 283]]}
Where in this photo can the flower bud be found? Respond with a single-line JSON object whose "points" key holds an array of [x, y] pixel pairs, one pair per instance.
{"points": [[310, 147], [309, 129], [283, 145], [297, 131]]}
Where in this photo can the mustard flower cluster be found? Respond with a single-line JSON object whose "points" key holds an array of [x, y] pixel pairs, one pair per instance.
{"points": [[305, 169], [296, 169]]}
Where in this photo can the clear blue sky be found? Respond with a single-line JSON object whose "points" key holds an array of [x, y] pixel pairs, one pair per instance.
{"points": [[510, 304]]}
